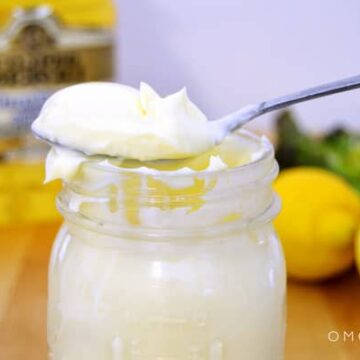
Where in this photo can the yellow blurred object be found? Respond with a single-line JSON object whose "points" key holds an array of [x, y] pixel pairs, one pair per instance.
{"points": [[87, 13], [23, 197], [45, 45], [317, 223], [357, 249]]}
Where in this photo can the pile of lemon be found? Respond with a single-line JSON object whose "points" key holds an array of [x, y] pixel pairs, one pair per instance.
{"points": [[319, 224]]}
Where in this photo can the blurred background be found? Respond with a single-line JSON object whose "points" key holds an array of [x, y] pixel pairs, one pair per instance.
{"points": [[228, 53], [234, 52]]}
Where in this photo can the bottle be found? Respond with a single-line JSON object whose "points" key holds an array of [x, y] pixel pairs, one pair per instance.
{"points": [[44, 46]]}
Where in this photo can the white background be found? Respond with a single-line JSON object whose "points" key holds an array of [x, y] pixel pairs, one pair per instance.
{"points": [[230, 53]]}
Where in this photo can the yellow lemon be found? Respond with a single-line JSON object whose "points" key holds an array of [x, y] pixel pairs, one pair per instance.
{"points": [[317, 224]]}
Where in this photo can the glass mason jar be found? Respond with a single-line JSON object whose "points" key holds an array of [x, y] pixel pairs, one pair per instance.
{"points": [[168, 265]]}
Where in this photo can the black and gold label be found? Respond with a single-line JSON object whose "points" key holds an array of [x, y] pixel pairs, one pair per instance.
{"points": [[39, 58], [34, 58]]}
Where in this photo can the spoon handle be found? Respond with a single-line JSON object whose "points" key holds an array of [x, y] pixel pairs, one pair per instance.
{"points": [[236, 120], [312, 93]]}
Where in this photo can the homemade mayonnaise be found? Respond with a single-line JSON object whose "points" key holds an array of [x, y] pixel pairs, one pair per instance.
{"points": [[172, 259], [117, 120]]}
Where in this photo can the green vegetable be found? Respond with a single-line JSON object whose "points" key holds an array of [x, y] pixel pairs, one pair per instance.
{"points": [[338, 151]]}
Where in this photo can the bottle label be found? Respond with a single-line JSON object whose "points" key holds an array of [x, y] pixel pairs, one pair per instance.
{"points": [[38, 57], [18, 109]]}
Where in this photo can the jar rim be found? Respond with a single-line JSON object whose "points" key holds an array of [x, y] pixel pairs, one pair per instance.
{"points": [[266, 147]]}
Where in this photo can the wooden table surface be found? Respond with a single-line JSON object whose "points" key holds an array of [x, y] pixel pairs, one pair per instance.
{"points": [[314, 312]]}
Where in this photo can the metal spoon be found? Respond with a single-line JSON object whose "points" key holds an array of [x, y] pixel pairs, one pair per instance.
{"points": [[234, 121], [222, 127]]}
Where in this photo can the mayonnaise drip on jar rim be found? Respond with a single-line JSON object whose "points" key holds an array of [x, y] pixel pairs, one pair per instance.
{"points": [[233, 152]]}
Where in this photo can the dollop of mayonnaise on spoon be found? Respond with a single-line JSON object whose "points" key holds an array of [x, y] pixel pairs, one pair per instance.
{"points": [[116, 120]]}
